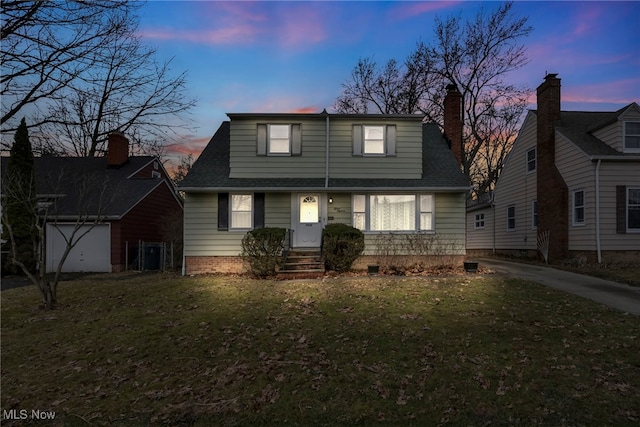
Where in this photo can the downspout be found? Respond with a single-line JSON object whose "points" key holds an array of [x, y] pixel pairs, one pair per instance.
{"points": [[598, 249], [326, 158]]}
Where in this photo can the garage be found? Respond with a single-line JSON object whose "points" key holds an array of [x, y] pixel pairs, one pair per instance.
{"points": [[92, 253]]}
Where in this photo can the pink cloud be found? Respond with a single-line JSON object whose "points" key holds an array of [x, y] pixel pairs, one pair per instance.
{"points": [[615, 92]]}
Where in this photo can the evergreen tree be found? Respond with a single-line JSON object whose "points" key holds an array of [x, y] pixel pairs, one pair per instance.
{"points": [[20, 201]]}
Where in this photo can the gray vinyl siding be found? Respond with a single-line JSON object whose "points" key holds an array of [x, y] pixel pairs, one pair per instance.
{"points": [[613, 134], [245, 163], [516, 187], [480, 238], [340, 210], [406, 164], [578, 172], [201, 235]]}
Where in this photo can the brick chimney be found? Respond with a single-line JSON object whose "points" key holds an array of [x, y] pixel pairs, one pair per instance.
{"points": [[118, 150], [552, 190], [453, 121]]}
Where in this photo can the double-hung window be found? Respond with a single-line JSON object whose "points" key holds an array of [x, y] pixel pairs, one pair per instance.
{"points": [[374, 140], [279, 140], [531, 160], [241, 208], [511, 218], [578, 207], [479, 221], [632, 137], [534, 214], [393, 212]]}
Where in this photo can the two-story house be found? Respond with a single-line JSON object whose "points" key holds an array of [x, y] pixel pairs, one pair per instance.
{"points": [[570, 186], [379, 173]]}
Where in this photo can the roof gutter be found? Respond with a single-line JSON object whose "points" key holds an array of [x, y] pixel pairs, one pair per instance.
{"points": [[632, 158], [326, 159], [336, 189]]}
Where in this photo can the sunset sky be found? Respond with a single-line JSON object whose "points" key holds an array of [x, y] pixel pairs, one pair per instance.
{"points": [[268, 56]]}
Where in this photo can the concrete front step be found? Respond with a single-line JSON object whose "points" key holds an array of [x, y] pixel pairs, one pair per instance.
{"points": [[302, 263]]}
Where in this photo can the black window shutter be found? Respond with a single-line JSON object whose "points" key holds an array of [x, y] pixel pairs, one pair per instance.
{"points": [[258, 210], [261, 147], [621, 209], [391, 140], [357, 140], [223, 211], [296, 140]]}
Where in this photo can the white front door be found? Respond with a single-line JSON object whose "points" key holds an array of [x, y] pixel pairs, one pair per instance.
{"points": [[308, 219]]}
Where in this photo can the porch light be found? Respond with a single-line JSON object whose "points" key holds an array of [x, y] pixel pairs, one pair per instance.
{"points": [[330, 200]]}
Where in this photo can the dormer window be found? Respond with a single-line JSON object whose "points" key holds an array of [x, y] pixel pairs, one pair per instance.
{"points": [[279, 140], [374, 140], [632, 137]]}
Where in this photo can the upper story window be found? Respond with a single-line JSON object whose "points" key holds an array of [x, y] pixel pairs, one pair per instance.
{"points": [[279, 140], [374, 140], [632, 136], [531, 160]]}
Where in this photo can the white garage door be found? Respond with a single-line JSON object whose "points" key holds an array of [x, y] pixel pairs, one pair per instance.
{"points": [[92, 253]]}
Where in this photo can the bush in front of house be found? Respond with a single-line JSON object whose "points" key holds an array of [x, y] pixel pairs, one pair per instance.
{"points": [[341, 246], [262, 249]]}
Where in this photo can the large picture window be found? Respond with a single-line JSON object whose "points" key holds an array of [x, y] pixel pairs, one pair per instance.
{"points": [[393, 212]]}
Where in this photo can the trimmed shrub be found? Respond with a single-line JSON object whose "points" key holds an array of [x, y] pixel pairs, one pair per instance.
{"points": [[262, 249], [341, 246]]}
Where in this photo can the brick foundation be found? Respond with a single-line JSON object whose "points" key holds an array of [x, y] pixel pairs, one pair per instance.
{"points": [[213, 264]]}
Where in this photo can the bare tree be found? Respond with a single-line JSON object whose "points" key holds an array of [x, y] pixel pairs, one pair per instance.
{"points": [[476, 56], [85, 195], [94, 76]]}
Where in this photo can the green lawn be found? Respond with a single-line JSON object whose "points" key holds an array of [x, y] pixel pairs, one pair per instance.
{"points": [[222, 350]]}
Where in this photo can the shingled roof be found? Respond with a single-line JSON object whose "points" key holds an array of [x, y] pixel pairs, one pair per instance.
{"points": [[86, 186], [440, 170], [578, 127]]}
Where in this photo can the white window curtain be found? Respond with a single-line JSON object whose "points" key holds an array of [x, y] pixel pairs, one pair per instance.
{"points": [[392, 212], [241, 210]]}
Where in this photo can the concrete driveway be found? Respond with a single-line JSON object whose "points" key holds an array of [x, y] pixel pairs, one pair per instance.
{"points": [[616, 295]]}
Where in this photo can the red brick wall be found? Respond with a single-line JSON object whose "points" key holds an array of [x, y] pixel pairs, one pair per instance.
{"points": [[552, 191], [453, 121]]}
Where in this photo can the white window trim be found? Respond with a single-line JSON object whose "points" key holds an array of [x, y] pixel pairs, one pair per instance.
{"points": [[417, 214], [527, 161], [574, 221], [279, 153], [231, 211], [510, 230], [626, 220], [624, 138], [477, 220]]}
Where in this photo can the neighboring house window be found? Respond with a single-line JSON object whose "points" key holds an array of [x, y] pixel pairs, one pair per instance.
{"points": [[374, 140], [531, 160], [393, 212], [511, 218], [633, 209], [479, 223], [534, 214], [155, 174], [578, 207], [241, 208], [279, 140], [632, 136]]}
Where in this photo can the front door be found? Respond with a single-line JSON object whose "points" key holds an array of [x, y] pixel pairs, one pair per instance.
{"points": [[308, 221]]}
